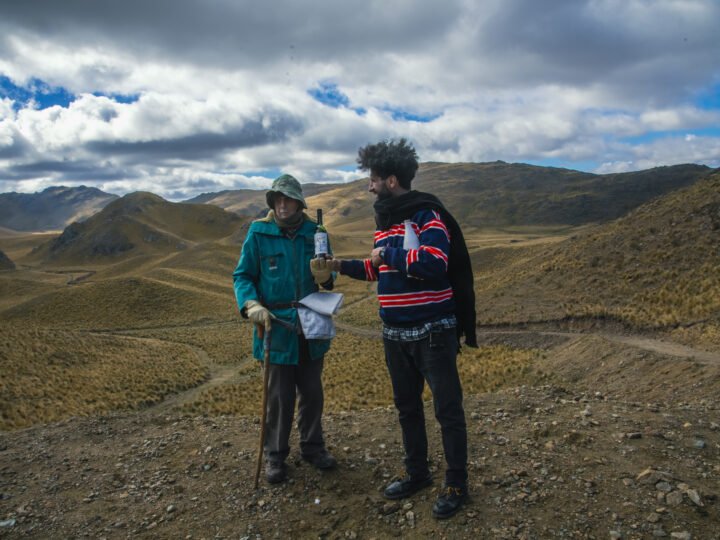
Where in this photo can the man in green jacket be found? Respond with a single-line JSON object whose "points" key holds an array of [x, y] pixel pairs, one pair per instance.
{"points": [[273, 273]]}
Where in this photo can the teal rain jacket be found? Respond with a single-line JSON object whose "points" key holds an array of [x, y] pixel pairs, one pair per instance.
{"points": [[274, 269]]}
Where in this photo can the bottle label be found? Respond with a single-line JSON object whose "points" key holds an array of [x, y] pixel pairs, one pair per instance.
{"points": [[321, 244]]}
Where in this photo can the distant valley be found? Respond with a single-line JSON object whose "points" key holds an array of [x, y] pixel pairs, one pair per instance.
{"points": [[51, 209]]}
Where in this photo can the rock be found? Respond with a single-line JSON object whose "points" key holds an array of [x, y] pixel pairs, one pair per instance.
{"points": [[683, 535], [674, 498], [615, 535], [170, 509], [695, 497], [653, 518], [699, 443], [390, 508], [651, 476], [410, 517], [663, 486], [7, 523], [634, 435]]}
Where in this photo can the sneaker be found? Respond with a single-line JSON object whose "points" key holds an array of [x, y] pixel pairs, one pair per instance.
{"points": [[322, 460], [449, 502], [275, 472], [406, 486]]}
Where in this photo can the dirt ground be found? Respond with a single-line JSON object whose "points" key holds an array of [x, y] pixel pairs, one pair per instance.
{"points": [[575, 458]]}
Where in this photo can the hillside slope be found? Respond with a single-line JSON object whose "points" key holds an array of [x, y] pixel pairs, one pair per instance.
{"points": [[483, 195], [139, 223], [657, 267], [5, 262], [51, 209]]}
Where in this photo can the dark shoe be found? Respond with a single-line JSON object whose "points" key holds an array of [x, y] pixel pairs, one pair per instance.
{"points": [[406, 486], [323, 460], [275, 472], [449, 502]]}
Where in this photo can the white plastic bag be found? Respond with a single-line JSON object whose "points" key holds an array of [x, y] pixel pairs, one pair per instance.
{"points": [[315, 313], [410, 241]]}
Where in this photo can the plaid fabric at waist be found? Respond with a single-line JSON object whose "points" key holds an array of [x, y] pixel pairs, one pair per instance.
{"points": [[416, 333]]}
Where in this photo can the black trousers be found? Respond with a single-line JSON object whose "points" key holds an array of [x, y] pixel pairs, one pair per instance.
{"points": [[285, 383], [431, 360]]}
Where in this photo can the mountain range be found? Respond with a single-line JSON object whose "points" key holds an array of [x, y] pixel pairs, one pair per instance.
{"points": [[480, 195], [51, 209]]}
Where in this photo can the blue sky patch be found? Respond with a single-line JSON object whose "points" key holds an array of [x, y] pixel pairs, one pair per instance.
{"points": [[672, 134], [265, 173], [407, 116], [709, 99], [329, 94], [42, 93], [119, 98]]}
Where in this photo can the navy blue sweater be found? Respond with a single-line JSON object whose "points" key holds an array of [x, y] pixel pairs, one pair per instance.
{"points": [[413, 284]]}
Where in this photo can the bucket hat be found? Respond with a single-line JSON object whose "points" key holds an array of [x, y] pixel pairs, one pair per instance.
{"points": [[288, 186]]}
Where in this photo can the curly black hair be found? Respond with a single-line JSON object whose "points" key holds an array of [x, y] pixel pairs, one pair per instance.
{"points": [[387, 158]]}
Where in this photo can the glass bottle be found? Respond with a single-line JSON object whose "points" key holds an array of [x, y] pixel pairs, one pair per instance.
{"points": [[321, 237]]}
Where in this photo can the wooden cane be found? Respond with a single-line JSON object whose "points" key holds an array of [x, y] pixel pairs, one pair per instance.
{"points": [[264, 334]]}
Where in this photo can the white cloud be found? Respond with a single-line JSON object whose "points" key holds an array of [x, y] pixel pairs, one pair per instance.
{"points": [[223, 87]]}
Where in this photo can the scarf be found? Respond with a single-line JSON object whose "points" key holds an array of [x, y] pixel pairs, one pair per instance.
{"points": [[395, 210], [292, 223]]}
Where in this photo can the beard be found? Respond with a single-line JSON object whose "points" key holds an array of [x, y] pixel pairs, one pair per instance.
{"points": [[383, 195]]}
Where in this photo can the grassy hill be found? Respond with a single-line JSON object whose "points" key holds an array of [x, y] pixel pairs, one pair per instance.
{"points": [[483, 195], [5, 262], [51, 209], [657, 267], [139, 223]]}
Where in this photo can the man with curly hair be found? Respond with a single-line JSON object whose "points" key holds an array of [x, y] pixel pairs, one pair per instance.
{"points": [[427, 303]]}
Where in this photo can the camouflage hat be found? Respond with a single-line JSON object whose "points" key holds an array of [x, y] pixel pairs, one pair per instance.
{"points": [[288, 186]]}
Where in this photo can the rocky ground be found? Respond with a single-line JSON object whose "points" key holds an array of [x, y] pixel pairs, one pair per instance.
{"points": [[546, 462]]}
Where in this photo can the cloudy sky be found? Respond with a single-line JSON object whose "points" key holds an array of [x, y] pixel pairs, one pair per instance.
{"points": [[181, 97]]}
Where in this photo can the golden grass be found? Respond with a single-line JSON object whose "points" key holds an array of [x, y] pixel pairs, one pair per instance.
{"points": [[658, 267], [225, 343], [49, 375], [122, 303], [355, 377]]}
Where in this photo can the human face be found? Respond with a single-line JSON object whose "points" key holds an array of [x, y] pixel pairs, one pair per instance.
{"points": [[285, 207], [379, 186]]}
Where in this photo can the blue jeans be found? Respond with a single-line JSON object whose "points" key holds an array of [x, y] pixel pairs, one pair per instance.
{"points": [[411, 364]]}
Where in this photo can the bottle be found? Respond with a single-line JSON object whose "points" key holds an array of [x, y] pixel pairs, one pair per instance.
{"points": [[321, 238]]}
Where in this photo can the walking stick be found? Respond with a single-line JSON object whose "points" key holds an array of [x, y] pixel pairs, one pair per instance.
{"points": [[264, 334]]}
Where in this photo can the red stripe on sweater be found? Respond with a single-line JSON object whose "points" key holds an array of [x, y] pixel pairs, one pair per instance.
{"points": [[417, 294], [439, 253], [414, 301]]}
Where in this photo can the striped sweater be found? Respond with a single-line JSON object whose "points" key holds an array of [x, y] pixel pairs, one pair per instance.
{"points": [[413, 284]]}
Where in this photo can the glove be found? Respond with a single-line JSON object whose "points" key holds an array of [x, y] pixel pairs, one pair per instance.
{"points": [[334, 264], [320, 270], [258, 313]]}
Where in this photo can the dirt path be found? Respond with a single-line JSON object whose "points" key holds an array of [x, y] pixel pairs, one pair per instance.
{"points": [[640, 342], [668, 348], [222, 374], [219, 374], [664, 347]]}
